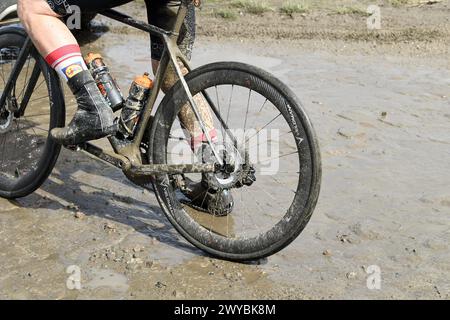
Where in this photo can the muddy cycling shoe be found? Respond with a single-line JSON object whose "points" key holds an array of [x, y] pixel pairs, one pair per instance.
{"points": [[94, 118], [218, 203]]}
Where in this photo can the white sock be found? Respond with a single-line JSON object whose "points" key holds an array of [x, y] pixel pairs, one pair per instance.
{"points": [[67, 61]]}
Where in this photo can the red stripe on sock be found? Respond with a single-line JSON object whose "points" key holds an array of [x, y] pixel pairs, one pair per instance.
{"points": [[61, 52]]}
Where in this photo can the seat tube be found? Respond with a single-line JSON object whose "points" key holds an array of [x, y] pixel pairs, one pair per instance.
{"points": [[182, 13]]}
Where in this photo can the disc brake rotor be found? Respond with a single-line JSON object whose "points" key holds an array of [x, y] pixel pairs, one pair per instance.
{"points": [[231, 173]]}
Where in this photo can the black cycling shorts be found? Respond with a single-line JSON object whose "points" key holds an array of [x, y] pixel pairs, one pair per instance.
{"points": [[161, 13]]}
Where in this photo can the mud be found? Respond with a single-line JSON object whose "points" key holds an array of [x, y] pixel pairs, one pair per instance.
{"points": [[408, 28], [325, 20], [382, 116]]}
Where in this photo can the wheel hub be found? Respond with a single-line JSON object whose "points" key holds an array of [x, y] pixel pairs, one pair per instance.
{"points": [[234, 173]]}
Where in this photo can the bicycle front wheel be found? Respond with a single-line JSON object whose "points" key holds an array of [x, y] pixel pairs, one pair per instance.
{"points": [[264, 131]]}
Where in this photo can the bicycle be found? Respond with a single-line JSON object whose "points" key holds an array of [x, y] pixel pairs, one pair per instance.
{"points": [[159, 158]]}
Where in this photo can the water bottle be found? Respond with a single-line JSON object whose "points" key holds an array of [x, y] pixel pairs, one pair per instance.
{"points": [[105, 82], [139, 93]]}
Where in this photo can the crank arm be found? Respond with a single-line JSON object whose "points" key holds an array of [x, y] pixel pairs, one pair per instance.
{"points": [[113, 159]]}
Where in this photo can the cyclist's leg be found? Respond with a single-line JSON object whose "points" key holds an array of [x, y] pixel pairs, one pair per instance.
{"points": [[41, 19], [93, 118], [162, 13]]}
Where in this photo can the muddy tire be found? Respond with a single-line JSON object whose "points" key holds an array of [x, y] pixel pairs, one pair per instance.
{"points": [[295, 218], [53, 114]]}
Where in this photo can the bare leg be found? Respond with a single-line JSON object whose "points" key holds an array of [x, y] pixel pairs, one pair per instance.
{"points": [[46, 30]]}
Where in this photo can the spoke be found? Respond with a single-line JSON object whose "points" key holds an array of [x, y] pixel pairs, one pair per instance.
{"points": [[274, 179], [201, 205], [25, 82], [37, 115], [220, 113], [229, 106], [275, 200], [265, 191], [217, 99], [282, 156], [259, 143], [15, 142], [271, 121], [211, 224], [285, 134], [42, 129], [246, 113], [39, 128], [263, 105], [31, 126], [197, 197], [260, 207], [40, 98], [39, 85]]}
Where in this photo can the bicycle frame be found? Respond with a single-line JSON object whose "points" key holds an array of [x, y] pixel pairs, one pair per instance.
{"points": [[127, 154]]}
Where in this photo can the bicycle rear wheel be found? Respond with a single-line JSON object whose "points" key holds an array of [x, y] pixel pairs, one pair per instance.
{"points": [[261, 125], [27, 153]]}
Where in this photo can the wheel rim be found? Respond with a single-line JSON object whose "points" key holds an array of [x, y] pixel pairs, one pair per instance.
{"points": [[291, 221]]}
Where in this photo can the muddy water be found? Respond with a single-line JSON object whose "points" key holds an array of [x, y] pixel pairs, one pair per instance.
{"points": [[383, 124]]}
